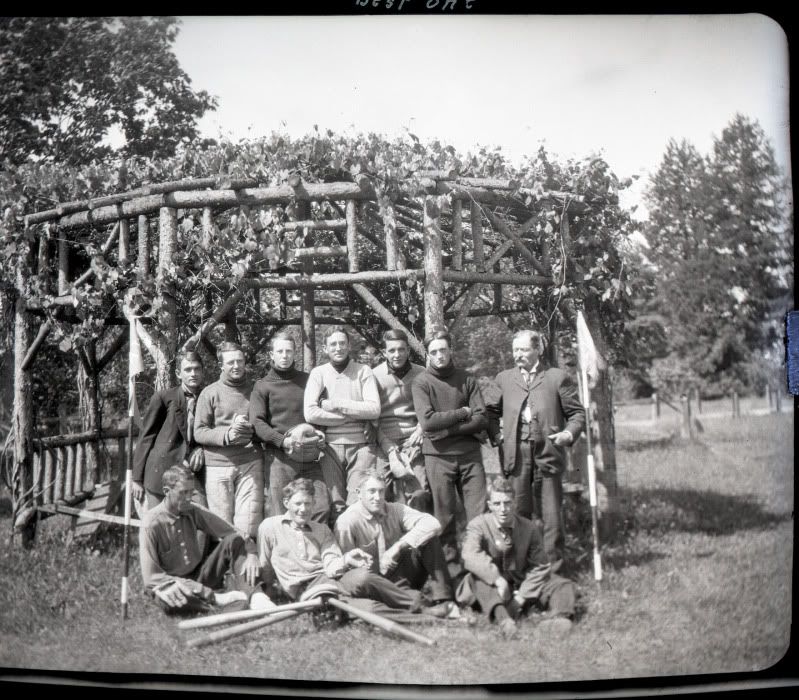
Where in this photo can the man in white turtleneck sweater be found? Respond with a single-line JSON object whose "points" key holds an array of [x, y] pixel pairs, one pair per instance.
{"points": [[234, 476]]}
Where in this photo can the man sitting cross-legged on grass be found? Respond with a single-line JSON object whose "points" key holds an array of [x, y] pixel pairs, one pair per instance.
{"points": [[402, 543], [303, 557], [172, 565], [508, 569]]}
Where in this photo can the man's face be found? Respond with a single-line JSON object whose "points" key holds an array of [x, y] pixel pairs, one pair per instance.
{"points": [[337, 347], [525, 352], [282, 354], [396, 353], [439, 353], [372, 495], [233, 365], [190, 375], [299, 507], [369, 356], [502, 506], [179, 496]]}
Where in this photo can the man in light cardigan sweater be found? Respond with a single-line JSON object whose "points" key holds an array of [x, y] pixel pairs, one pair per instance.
{"points": [[342, 398], [234, 472]]}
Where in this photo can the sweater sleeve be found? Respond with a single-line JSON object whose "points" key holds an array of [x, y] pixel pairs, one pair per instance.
{"points": [[259, 409], [478, 420], [369, 407], [430, 419], [314, 413], [205, 430]]}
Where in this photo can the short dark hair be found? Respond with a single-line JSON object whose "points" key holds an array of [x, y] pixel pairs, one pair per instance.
{"points": [[227, 346], [501, 485], [189, 356], [394, 334], [438, 334], [336, 329], [175, 474], [299, 486], [371, 473], [282, 335]]}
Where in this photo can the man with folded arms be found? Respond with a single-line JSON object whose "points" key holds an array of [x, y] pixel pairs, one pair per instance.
{"points": [[342, 397], [303, 557], [402, 543], [172, 565], [276, 414], [508, 570], [234, 470], [451, 411], [399, 434]]}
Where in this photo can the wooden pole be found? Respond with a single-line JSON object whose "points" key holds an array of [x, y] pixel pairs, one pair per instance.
{"points": [[381, 622], [457, 235], [387, 317], [124, 241], [223, 312], [143, 262], [477, 235], [63, 264], [43, 267], [353, 257], [433, 282], [238, 630], [243, 615], [207, 228], [390, 229], [167, 245], [308, 328]]}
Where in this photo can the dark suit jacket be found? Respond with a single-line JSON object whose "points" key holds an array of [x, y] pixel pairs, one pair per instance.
{"points": [[484, 558], [162, 439], [552, 398]]}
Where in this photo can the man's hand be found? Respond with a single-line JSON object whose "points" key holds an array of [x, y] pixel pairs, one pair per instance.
{"points": [[437, 435], [196, 459], [390, 558], [357, 558], [174, 595], [399, 464], [415, 438], [240, 433], [503, 589], [252, 569], [137, 491], [561, 439], [466, 411]]}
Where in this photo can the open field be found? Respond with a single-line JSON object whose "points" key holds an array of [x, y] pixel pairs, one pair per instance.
{"points": [[698, 580]]}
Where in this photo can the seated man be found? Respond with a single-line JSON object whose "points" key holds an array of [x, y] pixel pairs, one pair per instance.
{"points": [[172, 565], [402, 542], [508, 569], [303, 557]]}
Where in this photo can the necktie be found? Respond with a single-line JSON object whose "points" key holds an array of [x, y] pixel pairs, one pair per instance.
{"points": [[191, 402], [526, 413]]}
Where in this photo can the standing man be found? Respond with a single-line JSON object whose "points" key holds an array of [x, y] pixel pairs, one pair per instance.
{"points": [[234, 474], [167, 434], [173, 567], [541, 416], [276, 414], [342, 396], [508, 569], [450, 409], [399, 434], [402, 543]]}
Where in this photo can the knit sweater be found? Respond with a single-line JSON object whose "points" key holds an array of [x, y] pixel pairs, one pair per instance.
{"points": [[276, 404], [397, 415], [217, 406], [355, 397], [439, 397]]}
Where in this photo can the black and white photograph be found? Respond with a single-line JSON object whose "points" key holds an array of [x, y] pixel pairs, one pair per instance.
{"points": [[394, 349]]}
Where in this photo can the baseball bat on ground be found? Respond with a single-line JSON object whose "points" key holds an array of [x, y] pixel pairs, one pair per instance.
{"points": [[238, 630], [381, 622], [242, 615]]}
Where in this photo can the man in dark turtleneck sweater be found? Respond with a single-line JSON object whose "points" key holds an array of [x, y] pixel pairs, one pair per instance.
{"points": [[450, 409], [275, 408], [234, 470]]}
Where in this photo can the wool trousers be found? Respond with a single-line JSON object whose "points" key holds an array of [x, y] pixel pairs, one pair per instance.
{"points": [[236, 494]]}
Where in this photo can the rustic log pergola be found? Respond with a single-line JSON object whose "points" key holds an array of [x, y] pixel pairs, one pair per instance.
{"points": [[57, 469]]}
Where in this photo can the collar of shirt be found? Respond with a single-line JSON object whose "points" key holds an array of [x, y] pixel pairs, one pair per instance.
{"points": [[532, 369], [286, 518], [401, 372], [502, 528], [371, 516]]}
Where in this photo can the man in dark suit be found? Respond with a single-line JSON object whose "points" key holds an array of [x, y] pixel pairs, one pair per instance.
{"points": [[541, 416], [166, 435]]}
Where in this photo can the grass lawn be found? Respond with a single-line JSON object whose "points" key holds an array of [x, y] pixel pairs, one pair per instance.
{"points": [[698, 580]]}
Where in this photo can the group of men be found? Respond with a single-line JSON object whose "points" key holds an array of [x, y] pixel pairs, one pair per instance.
{"points": [[365, 467]]}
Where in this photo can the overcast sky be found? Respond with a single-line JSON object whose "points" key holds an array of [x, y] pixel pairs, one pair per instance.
{"points": [[617, 85]]}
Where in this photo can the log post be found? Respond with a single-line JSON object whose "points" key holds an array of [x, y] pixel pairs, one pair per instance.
{"points": [[496, 306], [477, 235], [63, 265], [390, 229], [43, 267], [207, 228], [434, 280], [457, 234], [89, 402], [353, 257], [124, 241], [143, 262], [167, 244], [60, 473], [308, 327], [46, 488], [24, 511], [604, 446]]}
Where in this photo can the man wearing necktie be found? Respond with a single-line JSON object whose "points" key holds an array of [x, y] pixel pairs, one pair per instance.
{"points": [[541, 416], [508, 570], [167, 434]]}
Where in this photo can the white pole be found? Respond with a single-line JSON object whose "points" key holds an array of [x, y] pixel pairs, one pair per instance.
{"points": [[586, 396]]}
